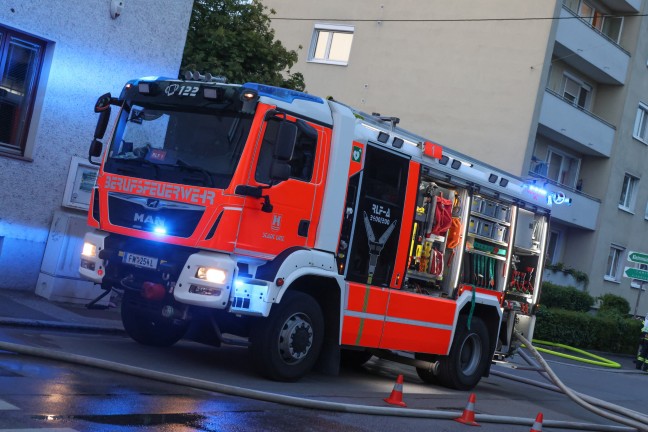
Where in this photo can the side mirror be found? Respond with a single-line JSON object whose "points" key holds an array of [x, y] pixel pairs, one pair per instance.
{"points": [[102, 123], [286, 139], [103, 103], [279, 171], [96, 147]]}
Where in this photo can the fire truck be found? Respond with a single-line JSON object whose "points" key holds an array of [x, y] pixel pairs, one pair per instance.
{"points": [[311, 232]]}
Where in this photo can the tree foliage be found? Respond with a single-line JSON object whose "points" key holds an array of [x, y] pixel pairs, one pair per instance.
{"points": [[233, 38]]}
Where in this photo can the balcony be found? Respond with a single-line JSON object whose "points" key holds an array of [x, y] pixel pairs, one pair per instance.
{"points": [[589, 51], [583, 210], [625, 6], [574, 127]]}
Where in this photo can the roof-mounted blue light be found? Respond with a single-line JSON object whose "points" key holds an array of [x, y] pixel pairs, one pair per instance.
{"points": [[282, 94]]}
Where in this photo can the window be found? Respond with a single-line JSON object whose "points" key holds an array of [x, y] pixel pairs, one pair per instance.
{"points": [[552, 248], [21, 59], [598, 19], [302, 160], [641, 124], [562, 168], [628, 195], [576, 91], [331, 44], [614, 259]]}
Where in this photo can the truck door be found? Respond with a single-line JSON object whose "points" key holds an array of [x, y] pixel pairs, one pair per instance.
{"points": [[295, 203], [378, 217], [374, 214]]}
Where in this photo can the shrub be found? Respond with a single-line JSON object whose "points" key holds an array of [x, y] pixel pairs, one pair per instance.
{"points": [[614, 304], [569, 298], [578, 275], [606, 332]]}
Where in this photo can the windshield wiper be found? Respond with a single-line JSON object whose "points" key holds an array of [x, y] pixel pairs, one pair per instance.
{"points": [[141, 162], [192, 168]]}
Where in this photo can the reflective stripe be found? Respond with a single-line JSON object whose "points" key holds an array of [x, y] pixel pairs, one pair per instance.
{"points": [[397, 320]]}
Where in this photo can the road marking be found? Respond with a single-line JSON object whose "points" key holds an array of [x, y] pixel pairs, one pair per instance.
{"points": [[4, 406]]}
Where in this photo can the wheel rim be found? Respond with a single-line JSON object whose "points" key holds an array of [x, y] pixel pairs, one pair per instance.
{"points": [[295, 338], [471, 352]]}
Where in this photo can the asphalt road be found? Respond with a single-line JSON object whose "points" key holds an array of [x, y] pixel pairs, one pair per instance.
{"points": [[40, 393]]}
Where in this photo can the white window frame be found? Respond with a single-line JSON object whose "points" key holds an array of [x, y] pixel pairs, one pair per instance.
{"points": [[557, 246], [565, 156], [628, 193], [612, 273], [332, 28], [583, 85], [603, 17], [640, 131]]}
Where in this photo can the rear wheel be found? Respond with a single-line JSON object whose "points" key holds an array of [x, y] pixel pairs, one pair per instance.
{"points": [[468, 358], [144, 323], [285, 346]]}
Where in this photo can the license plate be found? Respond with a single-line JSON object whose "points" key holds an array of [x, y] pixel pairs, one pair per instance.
{"points": [[140, 260]]}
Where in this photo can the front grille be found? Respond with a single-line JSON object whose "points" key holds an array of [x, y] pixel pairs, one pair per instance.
{"points": [[152, 214], [171, 259]]}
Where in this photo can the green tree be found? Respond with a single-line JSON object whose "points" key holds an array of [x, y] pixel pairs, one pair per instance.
{"points": [[233, 38]]}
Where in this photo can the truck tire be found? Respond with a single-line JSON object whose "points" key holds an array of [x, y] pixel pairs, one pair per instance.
{"points": [[146, 325], [285, 346], [469, 356]]}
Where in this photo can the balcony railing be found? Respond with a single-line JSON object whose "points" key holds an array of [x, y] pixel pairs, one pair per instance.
{"points": [[583, 210], [574, 126], [575, 15], [589, 50]]}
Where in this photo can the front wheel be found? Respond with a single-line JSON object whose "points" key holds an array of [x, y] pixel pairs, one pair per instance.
{"points": [[468, 358], [285, 346], [146, 325]]}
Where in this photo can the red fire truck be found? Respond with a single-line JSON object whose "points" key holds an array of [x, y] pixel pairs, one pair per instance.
{"points": [[310, 231]]}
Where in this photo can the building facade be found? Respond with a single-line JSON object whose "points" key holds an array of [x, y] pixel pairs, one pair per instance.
{"points": [[552, 91], [56, 59]]}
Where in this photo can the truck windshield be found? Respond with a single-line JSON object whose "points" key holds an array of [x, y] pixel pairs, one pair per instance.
{"points": [[186, 147]]}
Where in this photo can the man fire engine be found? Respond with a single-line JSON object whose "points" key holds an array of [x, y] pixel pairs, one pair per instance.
{"points": [[314, 230]]}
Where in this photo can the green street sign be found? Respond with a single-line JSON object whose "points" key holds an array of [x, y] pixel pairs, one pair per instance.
{"points": [[638, 257], [635, 273]]}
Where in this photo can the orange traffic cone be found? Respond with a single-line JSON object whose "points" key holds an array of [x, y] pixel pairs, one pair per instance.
{"points": [[537, 425], [468, 416], [396, 396]]}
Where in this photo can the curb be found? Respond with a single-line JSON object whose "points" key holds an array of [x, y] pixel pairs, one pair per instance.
{"points": [[19, 322]]}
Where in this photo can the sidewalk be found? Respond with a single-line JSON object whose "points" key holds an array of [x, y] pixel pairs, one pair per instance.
{"points": [[19, 307]]}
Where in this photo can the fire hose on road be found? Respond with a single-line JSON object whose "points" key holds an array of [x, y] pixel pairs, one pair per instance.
{"points": [[633, 421]]}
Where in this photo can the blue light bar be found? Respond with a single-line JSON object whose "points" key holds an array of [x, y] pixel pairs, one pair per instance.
{"points": [[538, 190], [282, 94]]}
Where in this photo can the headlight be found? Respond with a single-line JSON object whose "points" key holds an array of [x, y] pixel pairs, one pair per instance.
{"points": [[89, 250], [211, 274]]}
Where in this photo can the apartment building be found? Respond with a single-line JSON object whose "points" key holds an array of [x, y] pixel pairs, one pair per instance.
{"points": [[56, 58], [553, 91]]}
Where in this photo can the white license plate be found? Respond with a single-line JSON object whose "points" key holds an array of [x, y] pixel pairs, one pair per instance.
{"points": [[140, 260]]}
